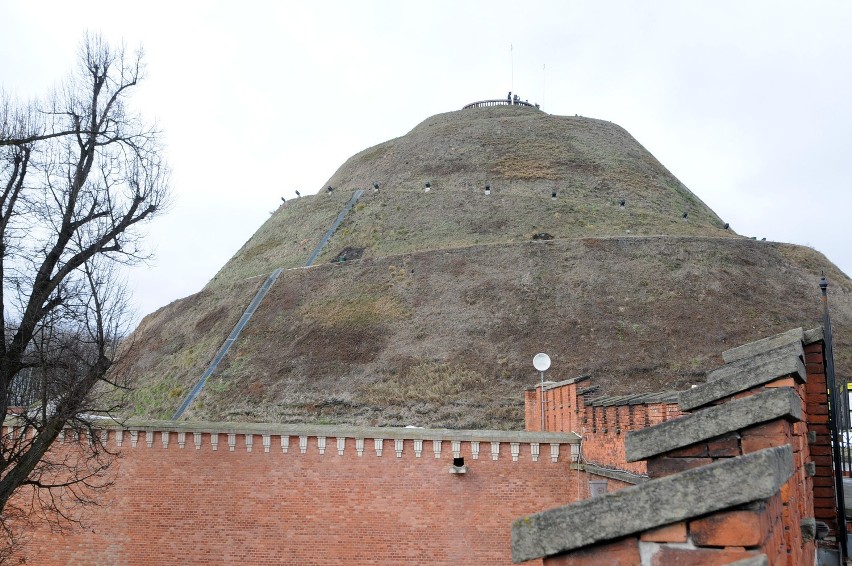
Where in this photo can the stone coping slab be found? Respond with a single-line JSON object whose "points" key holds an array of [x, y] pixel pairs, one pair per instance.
{"points": [[712, 422], [554, 384], [620, 475], [746, 373], [763, 345], [770, 343], [759, 560], [686, 495]]}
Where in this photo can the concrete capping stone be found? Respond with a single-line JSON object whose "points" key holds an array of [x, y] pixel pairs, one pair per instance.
{"points": [[759, 560], [348, 431], [813, 335], [764, 344], [588, 390], [554, 384], [717, 486], [712, 422], [634, 399], [619, 475], [746, 373], [396, 437]]}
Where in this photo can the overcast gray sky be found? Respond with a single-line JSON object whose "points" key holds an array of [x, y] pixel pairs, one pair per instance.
{"points": [[748, 103]]}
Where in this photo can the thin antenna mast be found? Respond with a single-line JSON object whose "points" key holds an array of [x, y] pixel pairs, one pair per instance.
{"points": [[512, 63], [543, 82]]}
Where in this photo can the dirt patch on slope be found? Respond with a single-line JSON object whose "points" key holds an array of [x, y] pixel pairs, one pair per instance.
{"points": [[446, 338]]}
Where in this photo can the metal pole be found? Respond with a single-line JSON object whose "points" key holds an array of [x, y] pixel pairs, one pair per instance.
{"points": [[833, 405], [512, 63], [542, 402]]}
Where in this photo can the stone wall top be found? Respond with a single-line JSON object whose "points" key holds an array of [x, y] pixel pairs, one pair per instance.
{"points": [[738, 414], [349, 431], [658, 502], [746, 373]]}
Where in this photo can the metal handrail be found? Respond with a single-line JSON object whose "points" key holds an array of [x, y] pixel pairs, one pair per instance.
{"points": [[834, 419], [499, 102]]}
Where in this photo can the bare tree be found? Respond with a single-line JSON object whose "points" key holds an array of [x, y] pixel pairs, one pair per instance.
{"points": [[79, 175]]}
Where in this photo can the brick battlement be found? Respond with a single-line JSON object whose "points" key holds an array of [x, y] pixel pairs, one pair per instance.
{"points": [[574, 405], [306, 494], [744, 474], [334, 439]]}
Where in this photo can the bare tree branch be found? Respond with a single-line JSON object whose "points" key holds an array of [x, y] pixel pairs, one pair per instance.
{"points": [[79, 174]]}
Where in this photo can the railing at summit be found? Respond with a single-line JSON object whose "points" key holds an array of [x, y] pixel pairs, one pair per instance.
{"points": [[500, 102]]}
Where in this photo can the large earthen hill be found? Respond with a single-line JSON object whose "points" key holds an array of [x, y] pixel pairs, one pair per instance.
{"points": [[426, 306]]}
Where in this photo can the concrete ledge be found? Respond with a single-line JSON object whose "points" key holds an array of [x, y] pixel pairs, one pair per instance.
{"points": [[721, 485], [763, 345], [348, 431], [759, 560], [813, 335], [620, 475], [554, 384], [746, 373], [781, 403]]}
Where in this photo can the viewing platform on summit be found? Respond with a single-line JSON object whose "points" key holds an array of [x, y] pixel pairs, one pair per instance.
{"points": [[510, 100]]}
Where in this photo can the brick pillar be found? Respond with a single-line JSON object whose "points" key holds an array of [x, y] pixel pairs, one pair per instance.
{"points": [[816, 407], [532, 410]]}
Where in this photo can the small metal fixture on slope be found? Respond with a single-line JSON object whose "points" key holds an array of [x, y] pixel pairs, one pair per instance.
{"points": [[267, 285]]}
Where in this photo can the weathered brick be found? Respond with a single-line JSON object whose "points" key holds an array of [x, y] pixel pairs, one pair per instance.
{"points": [[733, 528], [624, 552], [724, 447], [698, 450], [663, 466], [753, 443], [784, 382], [668, 556], [670, 533]]}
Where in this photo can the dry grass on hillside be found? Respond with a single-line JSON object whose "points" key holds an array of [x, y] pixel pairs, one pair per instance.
{"points": [[445, 338], [436, 323], [173, 346]]}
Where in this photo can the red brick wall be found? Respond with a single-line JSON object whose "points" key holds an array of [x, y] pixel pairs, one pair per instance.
{"points": [[771, 527], [602, 428], [816, 407], [189, 506], [718, 539]]}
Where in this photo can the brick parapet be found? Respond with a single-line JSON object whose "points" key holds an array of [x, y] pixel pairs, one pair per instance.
{"points": [[249, 437], [774, 530], [303, 494], [602, 421]]}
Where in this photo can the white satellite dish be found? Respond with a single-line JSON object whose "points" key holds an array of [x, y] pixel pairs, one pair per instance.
{"points": [[541, 362]]}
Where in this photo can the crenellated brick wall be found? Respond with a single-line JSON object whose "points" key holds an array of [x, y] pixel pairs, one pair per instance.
{"points": [[744, 474], [278, 494], [602, 421], [738, 467]]}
